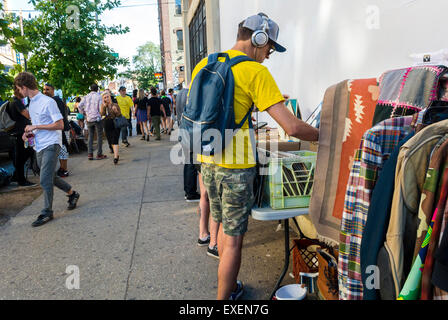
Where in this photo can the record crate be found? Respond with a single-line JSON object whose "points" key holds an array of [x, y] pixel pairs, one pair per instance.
{"points": [[290, 180]]}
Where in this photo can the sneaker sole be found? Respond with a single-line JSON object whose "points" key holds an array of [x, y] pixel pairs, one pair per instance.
{"points": [[202, 245], [191, 201], [212, 255]]}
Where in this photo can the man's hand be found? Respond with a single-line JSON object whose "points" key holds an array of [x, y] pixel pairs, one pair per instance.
{"points": [[293, 126], [24, 138], [30, 128]]}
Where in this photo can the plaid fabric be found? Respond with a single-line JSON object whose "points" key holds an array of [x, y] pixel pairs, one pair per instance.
{"points": [[375, 148]]}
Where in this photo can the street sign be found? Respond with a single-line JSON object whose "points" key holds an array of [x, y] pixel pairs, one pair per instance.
{"points": [[115, 54], [18, 58], [158, 75]]}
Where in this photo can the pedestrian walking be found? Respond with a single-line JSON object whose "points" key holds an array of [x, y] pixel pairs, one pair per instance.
{"points": [[45, 132], [125, 103], [166, 120], [156, 112], [229, 183], [90, 106], [19, 113], [172, 96], [110, 111], [63, 154], [142, 113]]}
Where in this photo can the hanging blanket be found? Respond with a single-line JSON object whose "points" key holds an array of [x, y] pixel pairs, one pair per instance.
{"points": [[406, 91], [347, 112]]}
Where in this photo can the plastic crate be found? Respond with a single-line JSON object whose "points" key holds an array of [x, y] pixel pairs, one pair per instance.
{"points": [[290, 180]]}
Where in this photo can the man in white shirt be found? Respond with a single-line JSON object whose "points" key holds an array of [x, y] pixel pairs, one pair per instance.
{"points": [[47, 123]]}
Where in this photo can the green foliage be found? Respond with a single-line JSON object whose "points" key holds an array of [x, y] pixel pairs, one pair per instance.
{"points": [[10, 33], [146, 63], [70, 53]]}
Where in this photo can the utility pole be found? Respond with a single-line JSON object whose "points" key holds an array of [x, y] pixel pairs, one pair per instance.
{"points": [[21, 32]]}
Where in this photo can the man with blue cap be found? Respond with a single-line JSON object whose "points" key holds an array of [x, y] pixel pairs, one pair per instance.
{"points": [[229, 177]]}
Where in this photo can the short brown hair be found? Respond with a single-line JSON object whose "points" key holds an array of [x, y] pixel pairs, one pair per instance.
{"points": [[26, 79], [243, 33]]}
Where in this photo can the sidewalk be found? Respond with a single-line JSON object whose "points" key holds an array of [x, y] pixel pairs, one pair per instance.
{"points": [[133, 236]]}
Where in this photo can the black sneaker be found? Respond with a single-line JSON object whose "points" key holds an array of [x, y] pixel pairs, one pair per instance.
{"points": [[213, 252], [193, 198], [42, 219], [26, 183], [239, 291], [203, 243], [63, 173], [72, 200]]}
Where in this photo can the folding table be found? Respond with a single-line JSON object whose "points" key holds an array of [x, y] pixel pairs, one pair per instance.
{"points": [[269, 214]]}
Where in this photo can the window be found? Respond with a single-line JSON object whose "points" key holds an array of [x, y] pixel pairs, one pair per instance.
{"points": [[198, 35], [180, 39], [178, 7]]}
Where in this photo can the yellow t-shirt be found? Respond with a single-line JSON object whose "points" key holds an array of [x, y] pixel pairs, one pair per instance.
{"points": [[125, 104], [254, 84]]}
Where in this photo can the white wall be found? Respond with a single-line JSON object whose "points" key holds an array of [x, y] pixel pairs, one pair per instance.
{"points": [[332, 40]]}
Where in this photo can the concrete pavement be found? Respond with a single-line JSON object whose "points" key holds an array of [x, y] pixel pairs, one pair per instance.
{"points": [[133, 236]]}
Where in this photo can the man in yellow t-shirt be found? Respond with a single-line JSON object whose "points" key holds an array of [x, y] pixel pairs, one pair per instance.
{"points": [[229, 177], [126, 104]]}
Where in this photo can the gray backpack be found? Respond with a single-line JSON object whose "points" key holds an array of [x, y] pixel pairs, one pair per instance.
{"points": [[6, 123]]}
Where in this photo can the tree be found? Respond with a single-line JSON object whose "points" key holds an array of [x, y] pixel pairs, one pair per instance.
{"points": [[146, 63], [68, 48], [10, 34]]}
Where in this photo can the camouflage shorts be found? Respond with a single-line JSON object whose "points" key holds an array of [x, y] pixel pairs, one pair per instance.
{"points": [[230, 192]]}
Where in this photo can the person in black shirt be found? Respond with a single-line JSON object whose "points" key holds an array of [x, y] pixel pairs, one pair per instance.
{"points": [[63, 155], [19, 113], [167, 119], [156, 111], [142, 114]]}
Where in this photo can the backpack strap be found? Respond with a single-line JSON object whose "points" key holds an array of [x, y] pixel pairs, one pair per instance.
{"points": [[239, 59], [214, 57]]}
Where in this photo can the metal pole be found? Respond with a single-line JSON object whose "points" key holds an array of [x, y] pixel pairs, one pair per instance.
{"points": [[22, 33]]}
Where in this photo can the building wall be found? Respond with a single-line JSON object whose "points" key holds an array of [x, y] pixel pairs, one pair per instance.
{"points": [[177, 55], [329, 41], [165, 41], [172, 58]]}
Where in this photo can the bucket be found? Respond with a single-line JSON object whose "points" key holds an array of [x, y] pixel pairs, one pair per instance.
{"points": [[309, 280], [291, 292]]}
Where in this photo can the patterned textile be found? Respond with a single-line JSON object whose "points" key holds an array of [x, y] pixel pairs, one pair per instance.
{"points": [[90, 105], [377, 222], [442, 208], [376, 146], [63, 153], [429, 197], [412, 286], [347, 113], [406, 91], [411, 172]]}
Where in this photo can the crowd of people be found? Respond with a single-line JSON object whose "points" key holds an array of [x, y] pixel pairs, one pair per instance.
{"points": [[42, 126]]}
